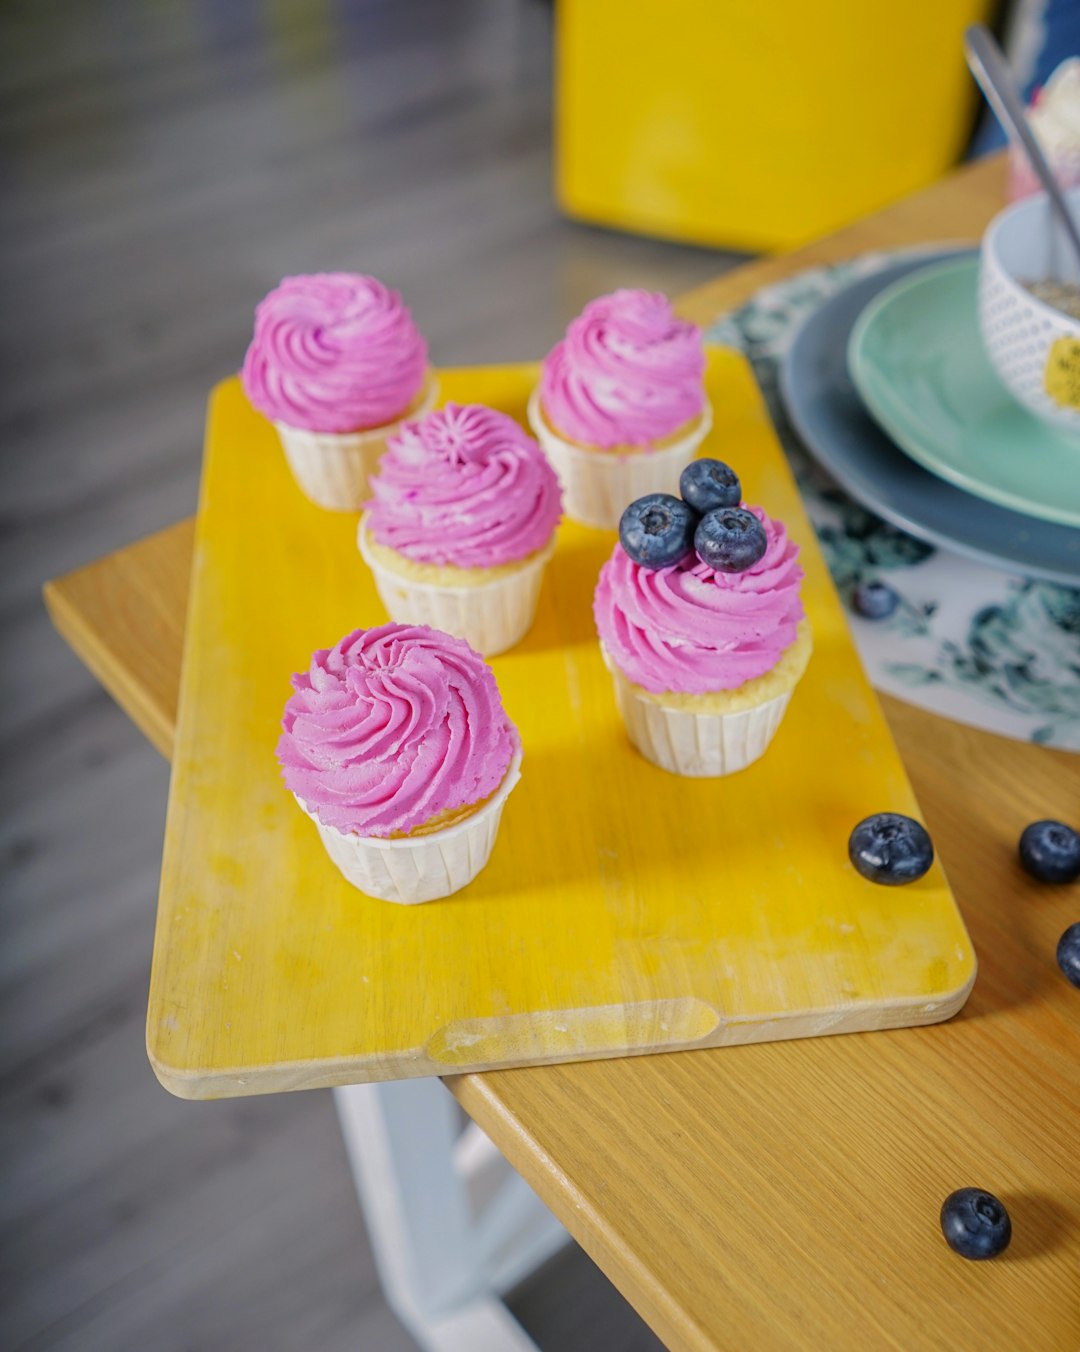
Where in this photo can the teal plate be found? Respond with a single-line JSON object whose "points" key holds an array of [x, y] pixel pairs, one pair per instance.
{"points": [[917, 360]]}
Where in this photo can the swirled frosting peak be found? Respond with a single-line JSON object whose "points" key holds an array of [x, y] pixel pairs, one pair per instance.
{"points": [[695, 631], [334, 352], [464, 486], [392, 726], [628, 373]]}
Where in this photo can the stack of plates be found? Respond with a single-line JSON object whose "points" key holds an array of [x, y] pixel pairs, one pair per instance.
{"points": [[888, 385]]}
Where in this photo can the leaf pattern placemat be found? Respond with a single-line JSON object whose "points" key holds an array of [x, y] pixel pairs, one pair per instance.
{"points": [[985, 647]]}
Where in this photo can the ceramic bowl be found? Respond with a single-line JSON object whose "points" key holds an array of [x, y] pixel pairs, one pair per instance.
{"points": [[1034, 348]]}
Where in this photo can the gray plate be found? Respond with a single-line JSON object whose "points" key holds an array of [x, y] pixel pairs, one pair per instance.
{"points": [[831, 420]]}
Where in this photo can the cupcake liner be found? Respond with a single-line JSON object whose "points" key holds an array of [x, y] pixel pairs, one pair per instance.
{"points": [[698, 745], [490, 616], [598, 485], [332, 468], [414, 869]]}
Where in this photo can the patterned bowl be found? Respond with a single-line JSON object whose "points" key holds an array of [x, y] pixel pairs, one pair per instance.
{"points": [[1033, 347]]}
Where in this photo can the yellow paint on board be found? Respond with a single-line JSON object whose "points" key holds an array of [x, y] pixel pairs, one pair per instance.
{"points": [[623, 910]]}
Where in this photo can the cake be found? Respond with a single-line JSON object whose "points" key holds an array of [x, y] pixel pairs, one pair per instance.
{"points": [[395, 743], [336, 363], [460, 525], [705, 647], [621, 406]]}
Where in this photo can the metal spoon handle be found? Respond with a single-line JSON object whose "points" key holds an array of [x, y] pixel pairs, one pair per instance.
{"points": [[987, 63]]}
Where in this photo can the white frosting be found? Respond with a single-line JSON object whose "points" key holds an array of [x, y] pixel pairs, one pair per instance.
{"points": [[1056, 115]]}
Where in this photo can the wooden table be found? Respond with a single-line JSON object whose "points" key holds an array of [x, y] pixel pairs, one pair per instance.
{"points": [[786, 1195]]}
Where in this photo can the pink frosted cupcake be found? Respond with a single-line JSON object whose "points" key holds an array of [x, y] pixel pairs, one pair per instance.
{"points": [[396, 744], [705, 659], [621, 404], [336, 364], [1055, 120], [461, 524]]}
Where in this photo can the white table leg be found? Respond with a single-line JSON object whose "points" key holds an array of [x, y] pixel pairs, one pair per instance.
{"points": [[452, 1226]]}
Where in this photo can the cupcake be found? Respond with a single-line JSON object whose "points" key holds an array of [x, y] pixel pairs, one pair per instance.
{"points": [[396, 745], [336, 364], [1055, 119], [460, 525], [621, 405], [702, 628]]}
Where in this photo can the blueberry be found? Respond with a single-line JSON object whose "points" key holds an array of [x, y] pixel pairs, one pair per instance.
{"points": [[707, 484], [1068, 954], [890, 848], [657, 530], [874, 600], [1050, 851], [975, 1224], [730, 539]]}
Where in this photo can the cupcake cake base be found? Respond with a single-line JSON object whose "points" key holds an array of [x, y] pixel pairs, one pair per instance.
{"points": [[706, 736], [425, 865], [491, 608], [598, 484]]}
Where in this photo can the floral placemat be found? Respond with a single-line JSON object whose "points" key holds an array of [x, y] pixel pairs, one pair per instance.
{"points": [[984, 647]]}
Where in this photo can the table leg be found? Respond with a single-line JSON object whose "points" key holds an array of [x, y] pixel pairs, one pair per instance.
{"points": [[452, 1226]]}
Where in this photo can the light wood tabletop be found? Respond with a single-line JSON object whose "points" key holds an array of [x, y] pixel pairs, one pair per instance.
{"points": [[786, 1195]]}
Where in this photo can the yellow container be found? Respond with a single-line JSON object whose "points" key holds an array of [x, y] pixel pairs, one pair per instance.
{"points": [[755, 125]]}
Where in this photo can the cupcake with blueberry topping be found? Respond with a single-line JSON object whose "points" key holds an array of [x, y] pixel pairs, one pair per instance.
{"points": [[461, 524], [621, 405], [396, 744], [701, 625], [336, 364]]}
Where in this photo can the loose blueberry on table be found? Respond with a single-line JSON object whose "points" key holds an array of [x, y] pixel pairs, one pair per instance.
{"points": [[707, 484], [975, 1224], [874, 600], [890, 848], [1050, 851], [1068, 954], [730, 540], [657, 530]]}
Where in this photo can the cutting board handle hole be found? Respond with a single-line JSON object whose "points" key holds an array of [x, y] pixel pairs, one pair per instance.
{"points": [[514, 1038]]}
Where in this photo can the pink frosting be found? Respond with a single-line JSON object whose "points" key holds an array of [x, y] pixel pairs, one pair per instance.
{"points": [[334, 352], [464, 486], [692, 630], [628, 373], [392, 726]]}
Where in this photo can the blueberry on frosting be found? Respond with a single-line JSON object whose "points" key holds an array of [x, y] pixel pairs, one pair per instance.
{"points": [[730, 540], [708, 484], [657, 530]]}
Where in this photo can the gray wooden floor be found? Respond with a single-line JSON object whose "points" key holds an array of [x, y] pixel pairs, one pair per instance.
{"points": [[162, 166]]}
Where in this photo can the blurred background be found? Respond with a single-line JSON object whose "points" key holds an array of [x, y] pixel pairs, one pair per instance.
{"points": [[164, 164]]}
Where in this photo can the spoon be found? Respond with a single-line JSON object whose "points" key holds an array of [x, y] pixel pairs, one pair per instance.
{"points": [[987, 63]]}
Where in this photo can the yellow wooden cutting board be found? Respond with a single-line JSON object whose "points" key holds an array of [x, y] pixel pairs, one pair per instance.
{"points": [[624, 910]]}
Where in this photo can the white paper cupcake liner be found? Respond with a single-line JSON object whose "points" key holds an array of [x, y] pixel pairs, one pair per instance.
{"points": [[598, 485], [332, 468], [490, 616], [698, 745], [415, 869]]}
